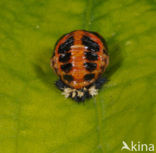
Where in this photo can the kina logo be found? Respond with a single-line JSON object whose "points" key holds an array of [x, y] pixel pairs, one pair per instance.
{"points": [[137, 146]]}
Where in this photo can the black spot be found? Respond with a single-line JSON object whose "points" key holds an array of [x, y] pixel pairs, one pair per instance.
{"points": [[91, 56], [89, 77], [90, 66], [69, 78], [87, 94], [64, 57], [60, 84], [101, 38], [66, 67], [66, 45], [92, 45]]}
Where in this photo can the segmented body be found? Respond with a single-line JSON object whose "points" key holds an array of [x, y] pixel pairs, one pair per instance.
{"points": [[79, 59]]}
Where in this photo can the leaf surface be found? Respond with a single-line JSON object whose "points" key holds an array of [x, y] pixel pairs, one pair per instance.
{"points": [[35, 117]]}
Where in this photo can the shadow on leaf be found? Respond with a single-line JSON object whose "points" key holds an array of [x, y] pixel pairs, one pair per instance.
{"points": [[115, 58], [43, 70]]}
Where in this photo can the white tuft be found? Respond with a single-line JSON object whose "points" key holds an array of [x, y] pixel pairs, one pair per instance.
{"points": [[80, 93], [73, 93], [67, 92], [93, 91], [84, 89]]}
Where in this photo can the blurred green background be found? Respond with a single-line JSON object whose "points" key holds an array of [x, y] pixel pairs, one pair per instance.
{"points": [[35, 117]]}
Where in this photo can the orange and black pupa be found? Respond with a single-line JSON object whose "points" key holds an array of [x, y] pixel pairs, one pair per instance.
{"points": [[79, 59]]}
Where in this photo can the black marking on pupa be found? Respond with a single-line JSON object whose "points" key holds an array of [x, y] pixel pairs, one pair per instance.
{"points": [[90, 66], [92, 45], [64, 57], [66, 67], [64, 47]]}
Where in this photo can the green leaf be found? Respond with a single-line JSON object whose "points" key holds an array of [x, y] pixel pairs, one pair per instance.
{"points": [[35, 117]]}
